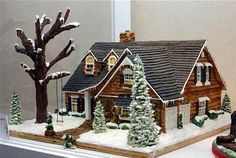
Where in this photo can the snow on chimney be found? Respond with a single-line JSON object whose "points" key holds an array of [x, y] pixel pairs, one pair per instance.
{"points": [[127, 36]]}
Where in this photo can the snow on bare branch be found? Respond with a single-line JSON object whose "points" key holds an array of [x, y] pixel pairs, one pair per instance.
{"points": [[39, 50], [57, 75], [26, 67], [76, 24]]}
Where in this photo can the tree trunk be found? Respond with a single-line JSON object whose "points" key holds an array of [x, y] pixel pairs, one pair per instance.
{"points": [[41, 102]]}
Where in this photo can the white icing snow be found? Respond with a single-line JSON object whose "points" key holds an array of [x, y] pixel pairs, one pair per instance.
{"points": [[26, 67], [36, 17], [72, 40], [76, 113], [32, 42], [41, 82], [200, 118], [39, 50], [42, 18], [218, 112], [76, 24], [47, 64], [29, 126], [62, 110], [42, 36], [57, 74], [18, 29], [118, 138], [62, 20]]}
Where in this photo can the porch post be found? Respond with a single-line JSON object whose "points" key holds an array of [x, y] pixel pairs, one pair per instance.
{"points": [[87, 102]]}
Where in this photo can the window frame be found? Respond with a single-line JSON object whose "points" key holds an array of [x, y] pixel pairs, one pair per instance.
{"points": [[202, 105], [199, 74], [207, 66], [74, 103], [110, 64], [202, 108], [88, 64], [128, 77]]}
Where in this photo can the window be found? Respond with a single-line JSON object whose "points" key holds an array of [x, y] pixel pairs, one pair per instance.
{"points": [[74, 104], [208, 73], [203, 105], [202, 108], [111, 61], [125, 113], [128, 77], [89, 65], [198, 74]]}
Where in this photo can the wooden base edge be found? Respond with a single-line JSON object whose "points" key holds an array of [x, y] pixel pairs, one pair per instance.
{"points": [[122, 152]]}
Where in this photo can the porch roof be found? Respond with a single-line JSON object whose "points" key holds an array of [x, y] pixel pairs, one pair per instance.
{"points": [[123, 100]]}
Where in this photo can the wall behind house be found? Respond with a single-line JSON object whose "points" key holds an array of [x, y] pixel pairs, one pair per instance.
{"points": [[213, 21], [95, 19]]}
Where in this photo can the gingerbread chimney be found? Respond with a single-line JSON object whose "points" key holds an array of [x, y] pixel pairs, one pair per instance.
{"points": [[127, 36]]}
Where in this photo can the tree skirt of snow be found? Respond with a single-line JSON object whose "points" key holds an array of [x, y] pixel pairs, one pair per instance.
{"points": [[29, 126], [117, 138]]}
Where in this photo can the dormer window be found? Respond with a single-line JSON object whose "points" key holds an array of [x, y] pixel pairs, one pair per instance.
{"points": [[89, 65], [111, 61]]}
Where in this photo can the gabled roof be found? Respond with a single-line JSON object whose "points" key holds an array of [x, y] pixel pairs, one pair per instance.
{"points": [[167, 64]]}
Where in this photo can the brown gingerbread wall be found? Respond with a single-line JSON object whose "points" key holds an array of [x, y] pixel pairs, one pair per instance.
{"points": [[213, 91], [114, 87]]}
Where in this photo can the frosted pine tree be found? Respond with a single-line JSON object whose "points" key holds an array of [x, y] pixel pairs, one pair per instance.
{"points": [[226, 104], [143, 131], [49, 127], [15, 110], [67, 141], [99, 123]]}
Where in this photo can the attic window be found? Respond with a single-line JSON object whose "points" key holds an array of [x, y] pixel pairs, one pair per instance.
{"points": [[111, 61], [128, 77], [208, 68], [198, 74], [89, 65]]}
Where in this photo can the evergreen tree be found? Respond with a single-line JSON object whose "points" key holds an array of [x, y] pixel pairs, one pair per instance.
{"points": [[49, 127], [67, 141], [15, 110], [99, 123], [143, 131], [49, 122], [226, 104]]}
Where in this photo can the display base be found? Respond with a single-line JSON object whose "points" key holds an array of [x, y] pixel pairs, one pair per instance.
{"points": [[122, 152]]}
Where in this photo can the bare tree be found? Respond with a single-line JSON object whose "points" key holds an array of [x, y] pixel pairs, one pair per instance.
{"points": [[35, 50]]}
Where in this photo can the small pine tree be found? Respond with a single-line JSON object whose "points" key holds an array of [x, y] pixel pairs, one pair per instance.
{"points": [[49, 125], [180, 121], [99, 123], [143, 131], [226, 104], [67, 141], [15, 110]]}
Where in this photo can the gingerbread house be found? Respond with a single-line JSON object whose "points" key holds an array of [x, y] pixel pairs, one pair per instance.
{"points": [[181, 75]]}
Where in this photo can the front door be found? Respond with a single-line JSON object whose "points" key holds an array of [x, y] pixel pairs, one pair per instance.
{"points": [[185, 111], [171, 118]]}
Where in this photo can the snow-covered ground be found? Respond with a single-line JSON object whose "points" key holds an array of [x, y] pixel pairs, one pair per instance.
{"points": [[118, 138], [29, 126]]}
